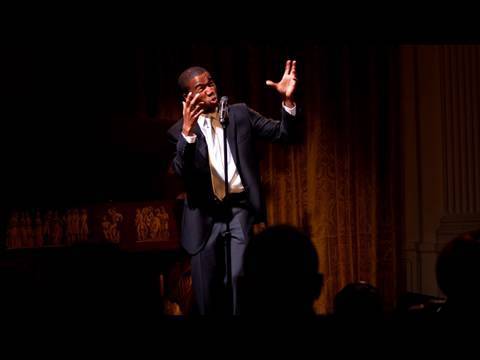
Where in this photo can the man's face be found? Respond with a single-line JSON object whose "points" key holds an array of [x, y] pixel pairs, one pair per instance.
{"points": [[203, 84]]}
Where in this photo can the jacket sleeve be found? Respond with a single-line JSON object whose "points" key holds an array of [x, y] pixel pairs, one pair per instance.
{"points": [[183, 154], [270, 129]]}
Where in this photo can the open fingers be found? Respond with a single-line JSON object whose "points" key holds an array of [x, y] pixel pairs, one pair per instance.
{"points": [[271, 83], [197, 113], [288, 66], [190, 99], [194, 100], [294, 69]]}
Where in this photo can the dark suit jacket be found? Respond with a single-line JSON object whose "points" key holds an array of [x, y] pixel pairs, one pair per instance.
{"points": [[190, 162]]}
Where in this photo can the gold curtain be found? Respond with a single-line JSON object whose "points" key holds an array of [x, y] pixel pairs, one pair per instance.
{"points": [[341, 182]]}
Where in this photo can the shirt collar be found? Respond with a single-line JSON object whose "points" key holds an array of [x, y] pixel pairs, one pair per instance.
{"points": [[205, 120]]}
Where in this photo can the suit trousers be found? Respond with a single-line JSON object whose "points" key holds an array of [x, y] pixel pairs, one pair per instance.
{"points": [[208, 266]]}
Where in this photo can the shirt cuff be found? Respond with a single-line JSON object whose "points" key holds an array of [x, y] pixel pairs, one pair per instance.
{"points": [[190, 139], [292, 111]]}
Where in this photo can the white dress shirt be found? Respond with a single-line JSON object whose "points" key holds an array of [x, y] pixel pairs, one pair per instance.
{"points": [[213, 131]]}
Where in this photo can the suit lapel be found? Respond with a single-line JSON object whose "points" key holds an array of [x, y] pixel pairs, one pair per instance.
{"points": [[202, 143], [232, 137]]}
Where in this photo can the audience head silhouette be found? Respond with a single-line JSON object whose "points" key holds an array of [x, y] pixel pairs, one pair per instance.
{"points": [[458, 273], [358, 301], [280, 274]]}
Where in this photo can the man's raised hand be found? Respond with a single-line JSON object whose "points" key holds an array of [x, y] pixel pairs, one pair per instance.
{"points": [[286, 86]]}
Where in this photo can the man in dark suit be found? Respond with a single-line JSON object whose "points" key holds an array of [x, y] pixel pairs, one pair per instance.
{"points": [[199, 161]]}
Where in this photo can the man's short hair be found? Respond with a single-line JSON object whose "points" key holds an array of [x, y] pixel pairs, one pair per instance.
{"points": [[187, 75]]}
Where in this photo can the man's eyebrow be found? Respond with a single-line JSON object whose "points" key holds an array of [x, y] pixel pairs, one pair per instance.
{"points": [[201, 84]]}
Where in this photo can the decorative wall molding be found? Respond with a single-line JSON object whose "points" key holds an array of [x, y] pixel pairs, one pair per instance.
{"points": [[460, 80], [460, 91], [441, 112]]}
